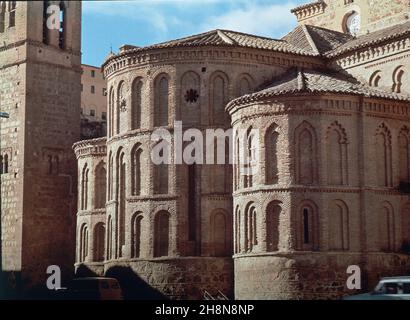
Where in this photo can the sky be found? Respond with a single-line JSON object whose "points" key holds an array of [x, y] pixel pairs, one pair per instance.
{"points": [[110, 24]]}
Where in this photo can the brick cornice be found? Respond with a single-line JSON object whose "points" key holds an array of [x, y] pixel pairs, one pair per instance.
{"points": [[369, 53], [309, 10], [221, 53], [90, 148]]}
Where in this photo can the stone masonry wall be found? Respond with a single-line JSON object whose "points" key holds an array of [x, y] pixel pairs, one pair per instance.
{"points": [[292, 268], [181, 278], [374, 14], [40, 89], [307, 275]]}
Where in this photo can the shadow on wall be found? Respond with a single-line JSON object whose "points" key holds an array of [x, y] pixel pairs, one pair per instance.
{"points": [[133, 287], [10, 285], [14, 287], [83, 271]]}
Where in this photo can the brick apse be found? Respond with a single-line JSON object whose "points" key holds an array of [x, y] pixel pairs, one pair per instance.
{"points": [[330, 104]]}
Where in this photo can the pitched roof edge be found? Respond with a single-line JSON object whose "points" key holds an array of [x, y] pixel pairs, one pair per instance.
{"points": [[339, 51], [310, 40], [225, 37], [228, 41], [302, 90]]}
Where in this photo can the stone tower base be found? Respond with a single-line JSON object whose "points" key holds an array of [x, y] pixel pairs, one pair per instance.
{"points": [[311, 275], [165, 278]]}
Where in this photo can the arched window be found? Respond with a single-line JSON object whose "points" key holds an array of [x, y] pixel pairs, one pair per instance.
{"points": [[306, 226], [111, 113], [161, 100], [99, 235], [100, 186], [220, 239], [121, 109], [63, 26], [12, 13], [273, 212], [161, 235], [84, 188], [50, 164], [136, 169], [398, 79], [161, 176], [221, 177], [46, 33], [308, 229], [251, 149], [228, 174], [218, 98], [136, 103], [136, 229], [306, 154], [190, 98], [6, 163], [121, 196], [192, 194], [109, 238], [271, 158], [375, 79], [338, 226], [404, 154], [83, 254], [386, 228], [2, 16], [237, 230], [336, 149], [245, 85], [405, 227], [251, 237], [352, 23], [110, 176], [383, 156], [237, 163]]}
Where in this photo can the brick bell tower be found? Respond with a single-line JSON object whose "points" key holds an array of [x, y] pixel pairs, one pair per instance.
{"points": [[40, 76]]}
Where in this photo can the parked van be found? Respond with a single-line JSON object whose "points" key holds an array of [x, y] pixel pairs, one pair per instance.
{"points": [[95, 288]]}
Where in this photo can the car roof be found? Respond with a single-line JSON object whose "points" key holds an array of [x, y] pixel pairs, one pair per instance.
{"points": [[395, 279]]}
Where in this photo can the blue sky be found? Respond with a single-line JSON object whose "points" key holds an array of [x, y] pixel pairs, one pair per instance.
{"points": [[142, 22]]}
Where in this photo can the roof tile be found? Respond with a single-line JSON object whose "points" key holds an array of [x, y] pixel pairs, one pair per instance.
{"points": [[228, 38], [296, 82], [372, 38]]}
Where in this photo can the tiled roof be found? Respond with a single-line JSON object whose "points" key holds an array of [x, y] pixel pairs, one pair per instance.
{"points": [[296, 82], [315, 39], [227, 38], [372, 38], [305, 40], [329, 43], [84, 143]]}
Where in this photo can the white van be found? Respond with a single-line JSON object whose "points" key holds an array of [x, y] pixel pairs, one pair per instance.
{"points": [[391, 288]]}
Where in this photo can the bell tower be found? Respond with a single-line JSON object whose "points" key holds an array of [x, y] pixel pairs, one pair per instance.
{"points": [[40, 88], [356, 17]]}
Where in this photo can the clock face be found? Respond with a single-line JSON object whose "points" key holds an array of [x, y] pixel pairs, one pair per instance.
{"points": [[353, 23]]}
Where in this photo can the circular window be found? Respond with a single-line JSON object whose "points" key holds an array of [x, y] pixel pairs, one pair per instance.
{"points": [[191, 96], [353, 23]]}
